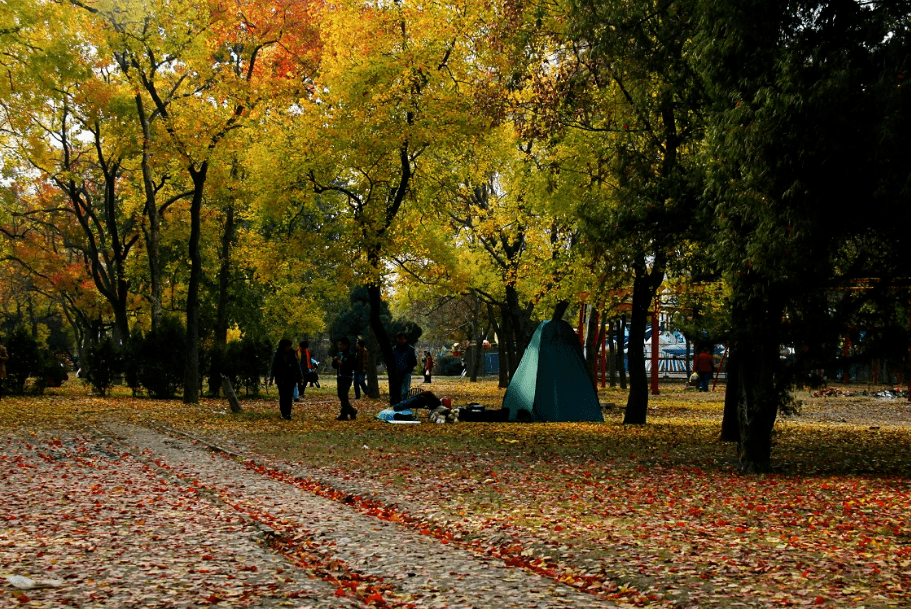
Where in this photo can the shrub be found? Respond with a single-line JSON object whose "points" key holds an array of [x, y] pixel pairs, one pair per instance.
{"points": [[161, 357], [102, 366], [249, 359], [54, 370], [217, 366], [28, 360], [244, 362], [132, 360]]}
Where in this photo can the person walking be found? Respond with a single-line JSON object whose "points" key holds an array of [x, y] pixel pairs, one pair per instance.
{"points": [[405, 361], [344, 366], [361, 360], [4, 357], [428, 366], [704, 366], [286, 372]]}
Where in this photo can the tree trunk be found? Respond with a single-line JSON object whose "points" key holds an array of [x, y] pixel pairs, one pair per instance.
{"points": [[373, 381], [520, 319], [229, 393], [757, 323], [560, 310], [224, 278], [501, 352], [374, 296], [191, 369], [601, 344], [757, 408], [730, 426], [478, 351], [645, 285], [624, 354], [152, 233], [688, 361], [508, 343], [592, 342], [637, 402], [220, 328], [612, 359]]}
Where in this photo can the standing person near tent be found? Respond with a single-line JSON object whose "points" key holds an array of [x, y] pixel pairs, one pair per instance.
{"points": [[344, 366], [303, 356], [361, 361], [286, 372], [704, 366], [428, 366], [405, 361]]}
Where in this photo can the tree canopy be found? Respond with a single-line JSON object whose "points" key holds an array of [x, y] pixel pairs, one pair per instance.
{"points": [[247, 164]]}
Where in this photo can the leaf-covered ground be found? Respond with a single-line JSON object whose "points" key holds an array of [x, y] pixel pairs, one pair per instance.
{"points": [[650, 515]]}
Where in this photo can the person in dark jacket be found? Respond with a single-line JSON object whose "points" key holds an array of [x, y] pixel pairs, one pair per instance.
{"points": [[361, 362], [405, 361], [344, 367], [286, 372], [428, 366]]}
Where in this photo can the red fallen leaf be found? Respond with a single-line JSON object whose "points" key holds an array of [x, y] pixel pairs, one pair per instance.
{"points": [[22, 598], [819, 600], [340, 592], [558, 528], [207, 557], [376, 597]]}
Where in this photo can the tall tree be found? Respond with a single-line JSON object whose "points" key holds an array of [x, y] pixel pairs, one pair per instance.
{"points": [[204, 68], [65, 125], [615, 78], [390, 89], [809, 118]]}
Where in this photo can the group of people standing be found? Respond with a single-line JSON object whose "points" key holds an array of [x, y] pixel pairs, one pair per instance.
{"points": [[291, 371]]}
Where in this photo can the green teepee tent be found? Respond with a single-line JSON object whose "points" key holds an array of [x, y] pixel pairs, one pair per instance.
{"points": [[552, 382]]}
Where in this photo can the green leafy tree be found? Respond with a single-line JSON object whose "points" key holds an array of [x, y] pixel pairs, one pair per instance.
{"points": [[809, 112]]}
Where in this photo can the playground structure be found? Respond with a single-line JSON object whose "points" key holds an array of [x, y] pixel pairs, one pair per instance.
{"points": [[668, 357]]}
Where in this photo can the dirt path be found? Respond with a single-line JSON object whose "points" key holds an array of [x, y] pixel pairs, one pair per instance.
{"points": [[131, 517]]}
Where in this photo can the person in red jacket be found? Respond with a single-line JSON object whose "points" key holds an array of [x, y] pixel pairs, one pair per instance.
{"points": [[704, 366], [428, 366]]}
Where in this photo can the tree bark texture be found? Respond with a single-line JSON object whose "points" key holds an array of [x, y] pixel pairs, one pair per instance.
{"points": [[191, 369], [374, 296], [224, 280], [730, 426], [623, 357], [612, 360], [229, 393], [756, 322], [645, 286]]}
